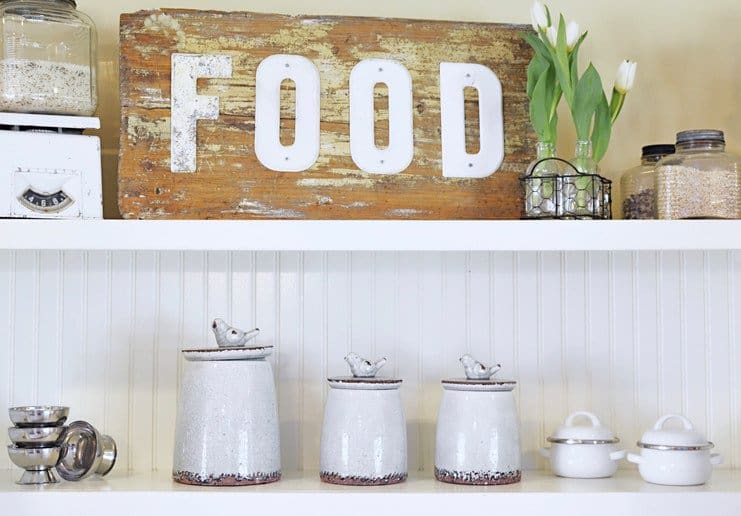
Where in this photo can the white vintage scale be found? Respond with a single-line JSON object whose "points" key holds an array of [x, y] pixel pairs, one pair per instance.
{"points": [[48, 168]]}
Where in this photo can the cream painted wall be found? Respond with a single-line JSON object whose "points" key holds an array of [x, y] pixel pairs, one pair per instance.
{"points": [[688, 53]]}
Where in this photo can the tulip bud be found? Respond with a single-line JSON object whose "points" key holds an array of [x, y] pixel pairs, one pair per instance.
{"points": [[626, 74], [572, 35], [552, 34], [539, 16]]}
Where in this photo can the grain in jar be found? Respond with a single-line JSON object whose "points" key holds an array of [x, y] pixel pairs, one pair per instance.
{"points": [[638, 184], [701, 180], [47, 58]]}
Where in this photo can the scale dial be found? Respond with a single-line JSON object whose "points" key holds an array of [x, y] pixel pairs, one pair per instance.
{"points": [[45, 202]]}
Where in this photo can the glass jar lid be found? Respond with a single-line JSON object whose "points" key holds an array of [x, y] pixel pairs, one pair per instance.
{"points": [[684, 439], [594, 433], [695, 135], [72, 3], [658, 150]]}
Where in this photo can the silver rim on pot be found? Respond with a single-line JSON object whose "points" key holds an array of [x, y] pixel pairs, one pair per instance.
{"points": [[666, 447], [583, 441]]}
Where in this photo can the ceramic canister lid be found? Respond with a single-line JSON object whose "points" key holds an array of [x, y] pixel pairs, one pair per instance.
{"points": [[593, 433], [232, 345], [478, 378], [685, 438], [364, 376]]}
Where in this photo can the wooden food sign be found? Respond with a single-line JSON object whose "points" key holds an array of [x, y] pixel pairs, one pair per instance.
{"points": [[244, 115]]}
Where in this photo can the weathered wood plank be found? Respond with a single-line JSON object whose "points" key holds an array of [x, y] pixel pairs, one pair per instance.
{"points": [[231, 183]]}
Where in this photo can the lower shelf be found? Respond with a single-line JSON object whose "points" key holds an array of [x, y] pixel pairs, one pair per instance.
{"points": [[302, 493]]}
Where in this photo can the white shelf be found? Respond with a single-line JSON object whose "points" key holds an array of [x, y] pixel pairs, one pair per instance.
{"points": [[278, 235], [538, 494]]}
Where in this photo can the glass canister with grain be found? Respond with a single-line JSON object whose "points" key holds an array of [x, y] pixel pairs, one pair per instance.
{"points": [[701, 180], [638, 184], [47, 58]]}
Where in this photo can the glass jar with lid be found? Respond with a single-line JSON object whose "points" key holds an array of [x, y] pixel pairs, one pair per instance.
{"points": [[700, 181], [47, 58], [637, 184]]}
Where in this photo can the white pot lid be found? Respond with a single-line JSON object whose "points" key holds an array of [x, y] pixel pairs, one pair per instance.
{"points": [[219, 354], [465, 384], [479, 377], [364, 376], [592, 433], [354, 383], [685, 438]]}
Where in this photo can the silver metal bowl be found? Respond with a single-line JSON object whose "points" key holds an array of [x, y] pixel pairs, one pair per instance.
{"points": [[108, 455], [38, 463], [36, 436], [85, 452], [44, 415]]}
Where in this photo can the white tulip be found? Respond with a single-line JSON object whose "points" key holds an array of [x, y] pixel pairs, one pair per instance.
{"points": [[572, 34], [626, 74], [539, 16], [552, 34]]}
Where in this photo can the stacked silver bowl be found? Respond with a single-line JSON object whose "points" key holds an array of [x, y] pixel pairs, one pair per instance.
{"points": [[41, 442], [37, 441]]}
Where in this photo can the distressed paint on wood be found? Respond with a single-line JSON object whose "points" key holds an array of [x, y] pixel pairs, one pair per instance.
{"points": [[231, 183]]}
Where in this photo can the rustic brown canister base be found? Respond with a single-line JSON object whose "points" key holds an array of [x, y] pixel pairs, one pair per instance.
{"points": [[335, 478], [194, 479], [478, 478]]}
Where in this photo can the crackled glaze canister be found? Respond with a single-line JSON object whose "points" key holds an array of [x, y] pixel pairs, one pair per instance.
{"points": [[478, 436], [227, 431], [364, 441]]}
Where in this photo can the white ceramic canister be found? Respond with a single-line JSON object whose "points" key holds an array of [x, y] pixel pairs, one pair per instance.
{"points": [[675, 457], [364, 441], [478, 438], [227, 429], [583, 451]]}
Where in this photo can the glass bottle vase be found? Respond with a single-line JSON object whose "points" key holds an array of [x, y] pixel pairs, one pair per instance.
{"points": [[581, 195], [541, 188]]}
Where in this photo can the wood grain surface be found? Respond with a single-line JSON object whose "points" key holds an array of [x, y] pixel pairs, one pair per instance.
{"points": [[231, 183]]}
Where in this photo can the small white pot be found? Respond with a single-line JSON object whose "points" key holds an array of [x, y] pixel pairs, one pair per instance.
{"points": [[675, 457], [581, 451]]}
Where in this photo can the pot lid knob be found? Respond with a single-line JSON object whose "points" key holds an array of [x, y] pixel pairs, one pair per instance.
{"points": [[475, 370], [577, 432], [230, 337], [686, 436], [362, 367]]}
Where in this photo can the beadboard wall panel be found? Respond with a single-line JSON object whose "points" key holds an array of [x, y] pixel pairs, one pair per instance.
{"points": [[629, 335]]}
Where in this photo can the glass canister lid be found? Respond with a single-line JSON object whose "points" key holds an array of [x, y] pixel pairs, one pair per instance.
{"points": [[593, 433], [232, 345], [694, 135], [657, 150], [685, 438], [478, 378], [364, 375]]}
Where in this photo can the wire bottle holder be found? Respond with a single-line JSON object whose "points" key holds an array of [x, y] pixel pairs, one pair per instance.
{"points": [[566, 196]]}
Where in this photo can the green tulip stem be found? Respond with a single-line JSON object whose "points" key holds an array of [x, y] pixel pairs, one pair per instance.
{"points": [[616, 104]]}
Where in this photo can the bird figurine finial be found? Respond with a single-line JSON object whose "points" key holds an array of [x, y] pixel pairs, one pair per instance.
{"points": [[362, 368], [230, 337], [475, 370]]}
